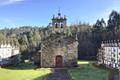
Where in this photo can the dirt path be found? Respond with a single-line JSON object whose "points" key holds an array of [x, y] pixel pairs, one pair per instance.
{"points": [[59, 74]]}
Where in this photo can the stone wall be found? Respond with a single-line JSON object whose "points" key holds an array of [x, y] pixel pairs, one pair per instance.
{"points": [[71, 55], [47, 57], [67, 51], [58, 45]]}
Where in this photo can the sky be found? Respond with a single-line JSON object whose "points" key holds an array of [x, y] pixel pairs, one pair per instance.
{"points": [[16, 13]]}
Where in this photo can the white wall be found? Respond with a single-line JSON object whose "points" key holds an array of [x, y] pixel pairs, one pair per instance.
{"points": [[112, 52], [7, 51], [16, 52]]}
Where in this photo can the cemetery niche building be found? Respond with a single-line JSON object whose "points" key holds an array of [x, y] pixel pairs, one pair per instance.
{"points": [[9, 54], [109, 54], [57, 49]]}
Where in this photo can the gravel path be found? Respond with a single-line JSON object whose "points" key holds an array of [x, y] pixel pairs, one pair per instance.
{"points": [[59, 74]]}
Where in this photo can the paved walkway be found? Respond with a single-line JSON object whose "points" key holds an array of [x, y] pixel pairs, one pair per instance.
{"points": [[116, 75], [59, 74]]}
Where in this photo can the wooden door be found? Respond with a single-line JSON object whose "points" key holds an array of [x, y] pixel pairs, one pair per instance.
{"points": [[59, 61]]}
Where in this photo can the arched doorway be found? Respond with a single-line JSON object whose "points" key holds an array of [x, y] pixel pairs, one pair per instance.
{"points": [[59, 61]]}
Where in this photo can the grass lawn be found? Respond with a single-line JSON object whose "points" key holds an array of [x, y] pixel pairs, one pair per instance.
{"points": [[86, 71], [23, 72]]}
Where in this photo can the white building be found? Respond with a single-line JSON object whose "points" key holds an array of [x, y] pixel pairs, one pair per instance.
{"points": [[9, 54], [109, 54]]}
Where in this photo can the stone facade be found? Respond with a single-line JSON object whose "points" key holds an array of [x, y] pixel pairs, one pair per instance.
{"points": [[58, 24], [109, 54], [61, 47], [64, 47], [57, 49]]}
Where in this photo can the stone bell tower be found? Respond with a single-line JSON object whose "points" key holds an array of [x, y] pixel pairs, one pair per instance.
{"points": [[59, 23], [58, 49]]}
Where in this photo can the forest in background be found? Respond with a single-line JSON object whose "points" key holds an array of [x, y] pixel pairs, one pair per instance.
{"points": [[29, 38]]}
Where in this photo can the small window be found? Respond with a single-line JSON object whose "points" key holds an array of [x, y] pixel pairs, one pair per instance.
{"points": [[119, 65], [111, 59], [61, 25], [114, 55], [59, 41], [56, 26], [114, 50], [114, 60], [119, 60]]}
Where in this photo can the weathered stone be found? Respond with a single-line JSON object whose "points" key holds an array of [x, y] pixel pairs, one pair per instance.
{"points": [[66, 48], [58, 49]]}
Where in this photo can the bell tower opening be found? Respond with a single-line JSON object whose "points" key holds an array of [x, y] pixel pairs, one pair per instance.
{"points": [[59, 22]]}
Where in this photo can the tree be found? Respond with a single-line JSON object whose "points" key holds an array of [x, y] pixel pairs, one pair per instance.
{"points": [[100, 24], [114, 21], [97, 25], [2, 37], [69, 33], [103, 24]]}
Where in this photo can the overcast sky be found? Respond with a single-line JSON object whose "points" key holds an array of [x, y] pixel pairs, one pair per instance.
{"points": [[15, 13]]}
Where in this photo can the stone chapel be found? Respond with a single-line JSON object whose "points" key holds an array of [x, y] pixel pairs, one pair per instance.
{"points": [[57, 49]]}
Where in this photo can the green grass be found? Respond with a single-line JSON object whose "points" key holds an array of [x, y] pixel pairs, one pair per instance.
{"points": [[23, 72], [86, 71]]}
